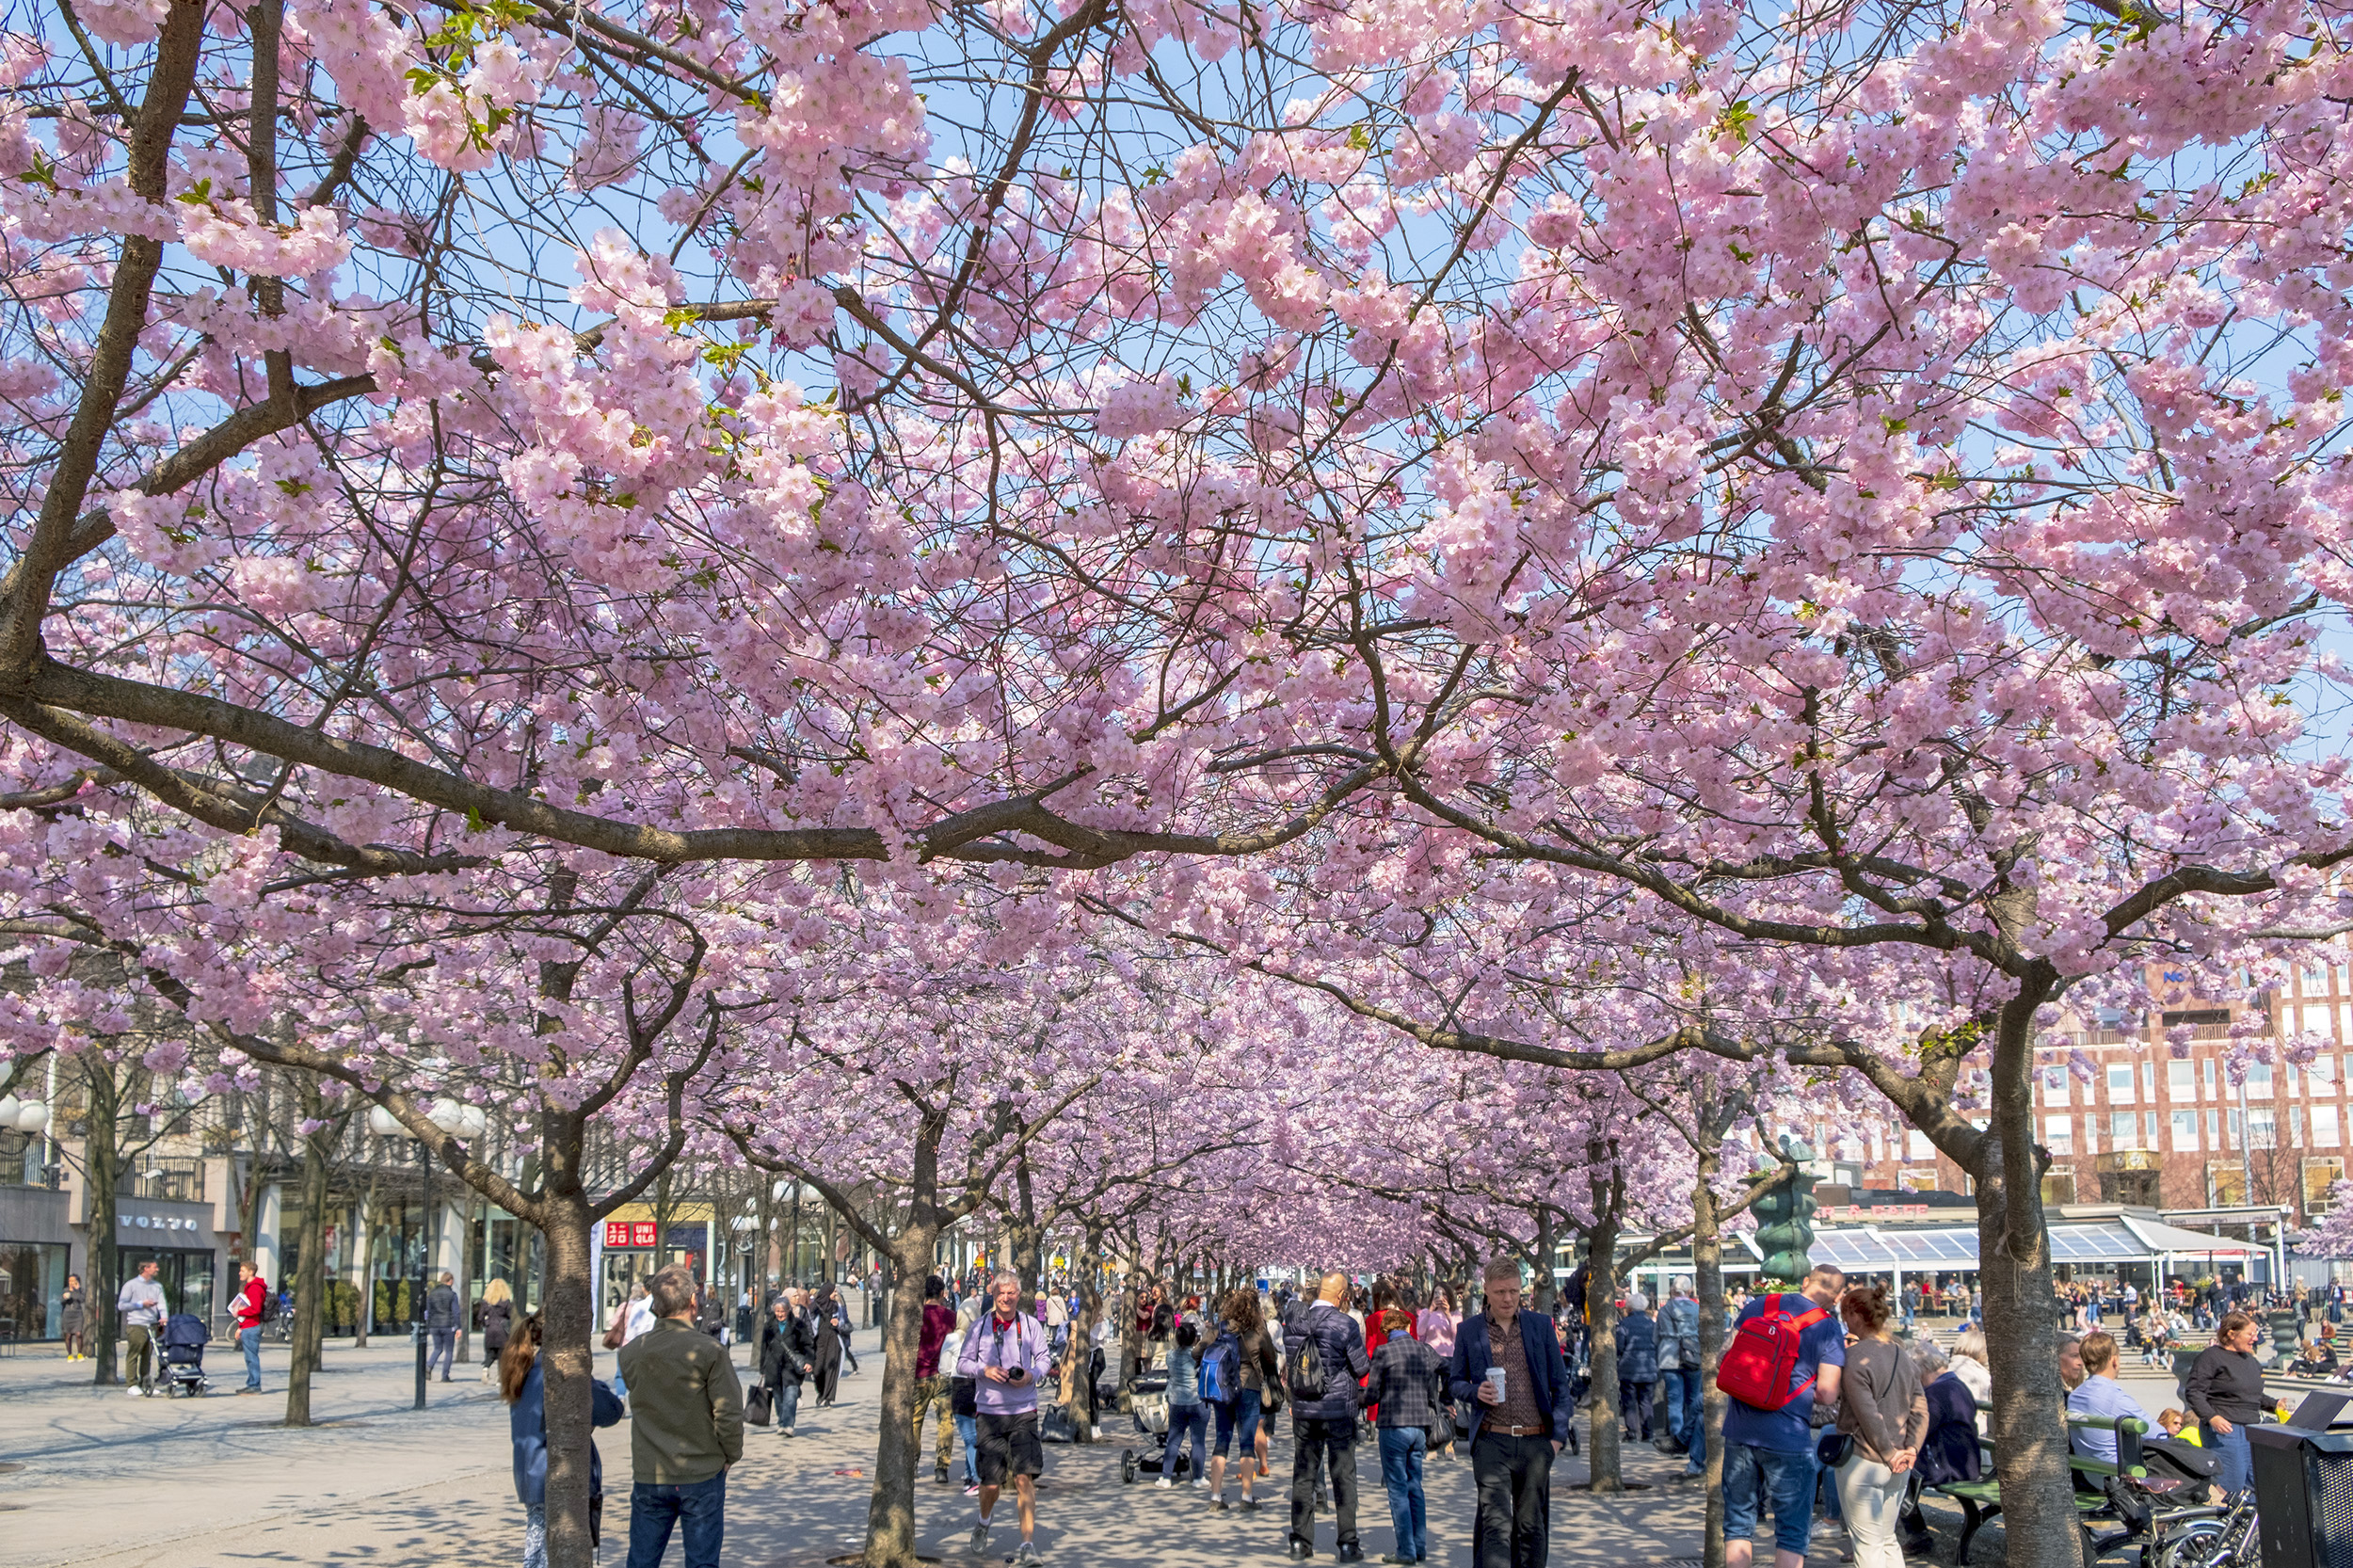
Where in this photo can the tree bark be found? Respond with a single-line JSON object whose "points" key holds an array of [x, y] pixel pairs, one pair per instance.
{"points": [[1547, 1289], [2014, 1269], [1076, 1373], [102, 1164], [568, 1320], [1708, 1267], [310, 1317], [890, 1507], [1601, 1301]]}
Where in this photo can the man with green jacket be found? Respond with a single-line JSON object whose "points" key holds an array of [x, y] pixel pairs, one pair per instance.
{"points": [[686, 1427]]}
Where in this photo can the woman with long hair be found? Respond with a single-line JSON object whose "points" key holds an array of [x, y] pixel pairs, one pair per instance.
{"points": [[1884, 1417], [498, 1326], [523, 1387], [1243, 1409]]}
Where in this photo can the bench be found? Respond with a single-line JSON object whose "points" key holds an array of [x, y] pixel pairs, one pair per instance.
{"points": [[1980, 1500]]}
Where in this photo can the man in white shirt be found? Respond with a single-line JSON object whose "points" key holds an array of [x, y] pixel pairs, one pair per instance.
{"points": [[140, 1305]]}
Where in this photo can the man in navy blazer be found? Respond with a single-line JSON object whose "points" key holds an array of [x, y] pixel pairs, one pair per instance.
{"points": [[1515, 1433]]}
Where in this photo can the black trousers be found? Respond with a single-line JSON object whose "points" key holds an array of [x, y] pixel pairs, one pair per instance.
{"points": [[1514, 1475], [1315, 1443]]}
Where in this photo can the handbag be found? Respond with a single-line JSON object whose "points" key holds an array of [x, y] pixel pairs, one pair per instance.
{"points": [[619, 1334], [756, 1405], [1832, 1448]]}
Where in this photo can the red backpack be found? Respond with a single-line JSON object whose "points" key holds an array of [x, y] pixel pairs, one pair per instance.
{"points": [[1757, 1364]]}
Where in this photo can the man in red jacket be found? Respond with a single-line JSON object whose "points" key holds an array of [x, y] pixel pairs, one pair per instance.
{"points": [[251, 1292], [931, 1384]]}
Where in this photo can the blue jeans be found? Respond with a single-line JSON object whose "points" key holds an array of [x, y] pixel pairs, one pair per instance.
{"points": [[249, 1341], [443, 1353], [1686, 1415], [701, 1509], [1184, 1418], [787, 1404], [2236, 1458], [1238, 1414], [1756, 1478], [969, 1427], [1401, 1450]]}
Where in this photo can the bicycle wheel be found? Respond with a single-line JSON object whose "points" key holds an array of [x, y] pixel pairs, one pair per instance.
{"points": [[2201, 1545]]}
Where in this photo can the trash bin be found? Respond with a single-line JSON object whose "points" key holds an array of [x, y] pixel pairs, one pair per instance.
{"points": [[2303, 1495]]}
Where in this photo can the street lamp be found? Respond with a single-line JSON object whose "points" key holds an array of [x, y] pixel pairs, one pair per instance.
{"points": [[460, 1120]]}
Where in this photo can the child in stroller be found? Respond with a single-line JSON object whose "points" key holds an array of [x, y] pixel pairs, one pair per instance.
{"points": [[184, 1354]]}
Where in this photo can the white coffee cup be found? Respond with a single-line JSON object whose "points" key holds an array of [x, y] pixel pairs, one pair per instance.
{"points": [[1495, 1381]]}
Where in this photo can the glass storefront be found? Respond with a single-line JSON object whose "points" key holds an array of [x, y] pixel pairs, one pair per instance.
{"points": [[32, 1283]]}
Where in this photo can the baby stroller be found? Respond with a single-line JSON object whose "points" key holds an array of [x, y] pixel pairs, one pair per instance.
{"points": [[1150, 1391], [184, 1354]]}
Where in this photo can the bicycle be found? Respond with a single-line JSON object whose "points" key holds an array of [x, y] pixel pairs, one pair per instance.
{"points": [[2217, 1536]]}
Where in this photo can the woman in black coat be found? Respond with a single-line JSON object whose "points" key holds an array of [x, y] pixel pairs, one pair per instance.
{"points": [[829, 1360]]}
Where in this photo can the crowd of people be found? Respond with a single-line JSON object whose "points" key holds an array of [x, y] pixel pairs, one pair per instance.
{"points": [[1832, 1412]]}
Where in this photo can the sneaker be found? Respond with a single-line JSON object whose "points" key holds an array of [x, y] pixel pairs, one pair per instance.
{"points": [[1202, 1481], [971, 1489], [1163, 1485], [980, 1538], [138, 1393], [1219, 1504], [1028, 1556], [1250, 1505]]}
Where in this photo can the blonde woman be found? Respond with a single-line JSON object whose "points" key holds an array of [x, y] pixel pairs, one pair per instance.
{"points": [[498, 1324], [1969, 1366]]}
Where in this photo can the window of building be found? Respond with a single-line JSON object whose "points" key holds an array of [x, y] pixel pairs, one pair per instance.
{"points": [[2054, 1085], [2121, 1084], [2296, 1080], [2058, 1134], [2319, 1176], [2148, 1079], [2326, 1134], [2296, 1127], [2263, 1130], [2237, 1129], [2124, 1128], [2324, 1071], [2059, 1187], [1916, 1146], [2259, 1079], [2213, 1126], [2185, 1133], [2209, 1091], [2149, 1129], [2226, 1186], [2180, 1080]]}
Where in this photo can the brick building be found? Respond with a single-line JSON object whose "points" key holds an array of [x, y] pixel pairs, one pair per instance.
{"points": [[2151, 1130]]}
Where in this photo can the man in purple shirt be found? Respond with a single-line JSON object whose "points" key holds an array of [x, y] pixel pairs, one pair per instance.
{"points": [[1006, 1354]]}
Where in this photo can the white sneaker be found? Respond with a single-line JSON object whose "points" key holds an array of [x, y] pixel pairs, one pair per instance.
{"points": [[137, 1393], [1165, 1483], [1201, 1480]]}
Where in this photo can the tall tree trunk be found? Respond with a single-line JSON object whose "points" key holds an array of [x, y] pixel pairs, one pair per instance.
{"points": [[890, 1507], [1707, 1267], [310, 1320], [2014, 1267], [567, 1316], [101, 1163], [1601, 1299], [370, 1215], [1077, 1366]]}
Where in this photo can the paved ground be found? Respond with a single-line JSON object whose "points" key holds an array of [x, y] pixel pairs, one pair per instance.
{"points": [[107, 1479]]}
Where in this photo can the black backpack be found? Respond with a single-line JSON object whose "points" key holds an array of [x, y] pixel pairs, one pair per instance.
{"points": [[1304, 1376]]}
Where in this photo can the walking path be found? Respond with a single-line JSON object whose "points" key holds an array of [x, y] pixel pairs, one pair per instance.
{"points": [[109, 1480]]}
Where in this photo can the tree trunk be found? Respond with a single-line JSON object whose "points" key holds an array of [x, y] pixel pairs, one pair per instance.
{"points": [[2014, 1267], [1547, 1288], [370, 1215], [101, 1163], [891, 1508], [1601, 1301], [569, 1318], [1077, 1366], [1707, 1267], [309, 1318]]}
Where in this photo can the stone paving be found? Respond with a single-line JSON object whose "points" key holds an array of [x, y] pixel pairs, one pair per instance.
{"points": [[91, 1478]]}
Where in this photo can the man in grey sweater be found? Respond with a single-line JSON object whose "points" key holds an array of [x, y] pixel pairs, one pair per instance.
{"points": [[686, 1427]]}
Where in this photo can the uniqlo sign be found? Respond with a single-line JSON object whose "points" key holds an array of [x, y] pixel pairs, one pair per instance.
{"points": [[628, 1233]]}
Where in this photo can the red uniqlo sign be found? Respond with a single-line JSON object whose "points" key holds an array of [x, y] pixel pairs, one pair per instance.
{"points": [[628, 1233]]}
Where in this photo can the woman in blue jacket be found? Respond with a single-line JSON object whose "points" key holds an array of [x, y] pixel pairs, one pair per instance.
{"points": [[525, 1387]]}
